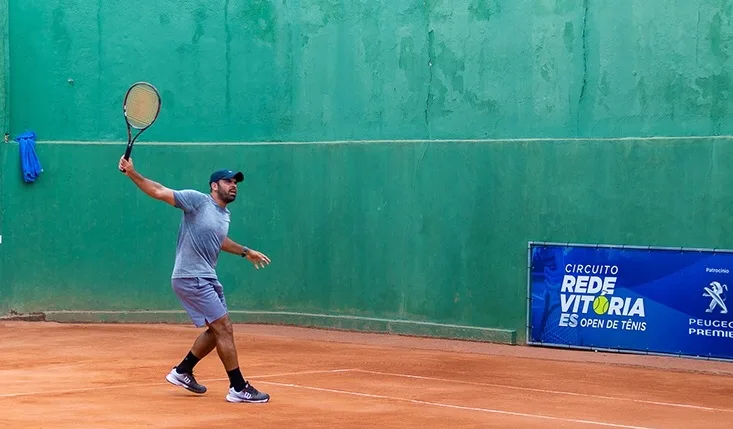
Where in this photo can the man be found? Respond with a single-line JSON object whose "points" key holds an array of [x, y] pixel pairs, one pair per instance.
{"points": [[201, 236]]}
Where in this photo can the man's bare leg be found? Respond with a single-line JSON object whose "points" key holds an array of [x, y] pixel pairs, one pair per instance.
{"points": [[224, 334], [204, 344], [182, 374], [240, 390]]}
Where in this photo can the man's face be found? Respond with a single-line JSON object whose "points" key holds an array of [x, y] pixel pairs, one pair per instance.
{"points": [[226, 189]]}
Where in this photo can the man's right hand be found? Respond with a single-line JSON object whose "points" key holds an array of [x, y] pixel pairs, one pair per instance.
{"points": [[126, 166]]}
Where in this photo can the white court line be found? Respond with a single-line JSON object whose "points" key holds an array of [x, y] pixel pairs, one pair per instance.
{"points": [[383, 141], [123, 386], [456, 407], [553, 392], [322, 371], [284, 313]]}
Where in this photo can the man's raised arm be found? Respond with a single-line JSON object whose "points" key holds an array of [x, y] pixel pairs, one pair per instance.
{"points": [[153, 189]]}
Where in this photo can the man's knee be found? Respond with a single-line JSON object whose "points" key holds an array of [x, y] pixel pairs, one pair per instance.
{"points": [[221, 327]]}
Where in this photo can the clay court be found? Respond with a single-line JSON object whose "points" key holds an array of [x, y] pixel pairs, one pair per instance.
{"points": [[436, 184], [58, 375]]}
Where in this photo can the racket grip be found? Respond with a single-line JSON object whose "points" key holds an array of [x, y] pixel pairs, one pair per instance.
{"points": [[127, 155]]}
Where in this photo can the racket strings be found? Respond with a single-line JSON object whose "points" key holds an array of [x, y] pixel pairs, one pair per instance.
{"points": [[141, 107]]}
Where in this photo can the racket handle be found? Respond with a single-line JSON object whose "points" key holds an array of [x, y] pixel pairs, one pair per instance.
{"points": [[127, 155]]}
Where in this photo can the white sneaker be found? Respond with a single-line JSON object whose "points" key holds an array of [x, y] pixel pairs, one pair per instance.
{"points": [[249, 394], [185, 380]]}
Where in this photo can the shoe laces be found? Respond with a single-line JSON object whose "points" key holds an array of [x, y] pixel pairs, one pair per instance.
{"points": [[190, 376], [249, 388]]}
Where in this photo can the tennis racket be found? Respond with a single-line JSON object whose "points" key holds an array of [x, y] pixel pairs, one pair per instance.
{"points": [[141, 108]]}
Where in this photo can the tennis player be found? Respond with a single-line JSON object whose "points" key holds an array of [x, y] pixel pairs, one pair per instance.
{"points": [[201, 236]]}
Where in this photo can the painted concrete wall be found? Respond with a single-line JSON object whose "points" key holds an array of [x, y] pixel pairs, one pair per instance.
{"points": [[326, 69], [4, 127], [427, 232], [432, 232], [4, 70]]}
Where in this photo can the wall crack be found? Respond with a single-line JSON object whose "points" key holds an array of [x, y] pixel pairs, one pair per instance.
{"points": [[584, 36], [431, 62]]}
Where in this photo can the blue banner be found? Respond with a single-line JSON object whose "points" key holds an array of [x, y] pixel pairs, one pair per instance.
{"points": [[631, 299]]}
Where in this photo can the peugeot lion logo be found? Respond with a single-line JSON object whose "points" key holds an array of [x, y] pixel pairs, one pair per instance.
{"points": [[715, 293]]}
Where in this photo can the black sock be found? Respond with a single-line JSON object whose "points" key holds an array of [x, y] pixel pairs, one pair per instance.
{"points": [[187, 364], [236, 380]]}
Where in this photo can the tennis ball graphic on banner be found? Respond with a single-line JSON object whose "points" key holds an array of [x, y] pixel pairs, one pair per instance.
{"points": [[600, 305]]}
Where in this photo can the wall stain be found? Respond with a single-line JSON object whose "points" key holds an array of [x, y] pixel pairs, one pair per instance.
{"points": [[200, 19], [720, 36], [322, 13], [408, 62], [431, 64], [257, 17], [452, 66], [568, 36], [99, 60], [716, 91], [481, 105], [228, 58], [641, 90], [564, 6], [584, 83], [60, 30], [484, 10]]}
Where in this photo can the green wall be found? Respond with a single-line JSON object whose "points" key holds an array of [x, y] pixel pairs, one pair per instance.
{"points": [[4, 285], [4, 127], [4, 70], [235, 70], [432, 232], [354, 229], [387, 212]]}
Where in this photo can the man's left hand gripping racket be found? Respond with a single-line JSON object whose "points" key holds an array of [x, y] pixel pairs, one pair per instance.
{"points": [[141, 107]]}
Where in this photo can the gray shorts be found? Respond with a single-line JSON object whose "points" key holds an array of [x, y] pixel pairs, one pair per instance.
{"points": [[203, 299]]}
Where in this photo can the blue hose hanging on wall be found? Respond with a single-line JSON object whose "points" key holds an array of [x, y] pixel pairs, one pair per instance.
{"points": [[28, 158]]}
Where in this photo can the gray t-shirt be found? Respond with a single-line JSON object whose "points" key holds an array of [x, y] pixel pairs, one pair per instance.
{"points": [[203, 229]]}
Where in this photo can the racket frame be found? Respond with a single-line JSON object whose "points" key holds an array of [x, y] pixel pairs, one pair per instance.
{"points": [[130, 139]]}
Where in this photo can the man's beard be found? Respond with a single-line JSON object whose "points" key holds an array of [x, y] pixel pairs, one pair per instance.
{"points": [[226, 197]]}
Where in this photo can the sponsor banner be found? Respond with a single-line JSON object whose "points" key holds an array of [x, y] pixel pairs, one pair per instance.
{"points": [[670, 301]]}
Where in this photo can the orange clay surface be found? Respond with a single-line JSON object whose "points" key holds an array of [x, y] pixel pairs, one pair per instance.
{"points": [[113, 376]]}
